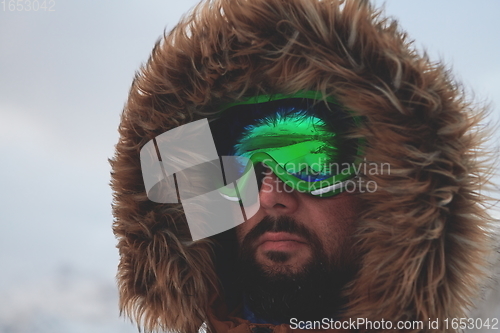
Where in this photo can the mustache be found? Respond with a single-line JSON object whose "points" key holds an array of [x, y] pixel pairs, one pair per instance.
{"points": [[280, 224]]}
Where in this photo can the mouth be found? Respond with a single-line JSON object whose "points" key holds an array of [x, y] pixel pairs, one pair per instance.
{"points": [[280, 241]]}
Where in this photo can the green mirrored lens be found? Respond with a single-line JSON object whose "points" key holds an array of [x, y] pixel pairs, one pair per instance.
{"points": [[301, 144]]}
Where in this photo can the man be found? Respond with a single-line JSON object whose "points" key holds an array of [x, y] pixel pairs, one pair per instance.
{"points": [[392, 240]]}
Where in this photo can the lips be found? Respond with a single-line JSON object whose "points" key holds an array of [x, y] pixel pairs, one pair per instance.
{"points": [[280, 241]]}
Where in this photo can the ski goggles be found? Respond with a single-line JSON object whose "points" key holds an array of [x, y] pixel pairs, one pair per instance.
{"points": [[300, 138]]}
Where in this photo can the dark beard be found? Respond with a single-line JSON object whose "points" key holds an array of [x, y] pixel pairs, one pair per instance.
{"points": [[312, 293]]}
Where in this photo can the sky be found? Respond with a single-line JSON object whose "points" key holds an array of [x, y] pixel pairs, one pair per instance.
{"points": [[64, 78]]}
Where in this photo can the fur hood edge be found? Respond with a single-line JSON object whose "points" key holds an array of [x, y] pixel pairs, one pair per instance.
{"points": [[423, 234]]}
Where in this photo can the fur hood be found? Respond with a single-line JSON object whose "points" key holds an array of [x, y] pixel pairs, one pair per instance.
{"points": [[422, 234]]}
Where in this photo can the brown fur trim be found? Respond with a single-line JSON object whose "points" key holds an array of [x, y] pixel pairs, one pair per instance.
{"points": [[423, 233]]}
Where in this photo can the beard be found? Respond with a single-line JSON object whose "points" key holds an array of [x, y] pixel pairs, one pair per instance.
{"points": [[280, 292]]}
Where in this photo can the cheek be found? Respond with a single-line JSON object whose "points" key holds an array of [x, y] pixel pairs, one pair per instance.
{"points": [[344, 211], [339, 230]]}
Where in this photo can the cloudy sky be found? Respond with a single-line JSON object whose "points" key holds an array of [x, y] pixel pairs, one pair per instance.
{"points": [[64, 78]]}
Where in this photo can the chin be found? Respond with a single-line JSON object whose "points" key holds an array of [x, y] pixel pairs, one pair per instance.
{"points": [[282, 263], [278, 285]]}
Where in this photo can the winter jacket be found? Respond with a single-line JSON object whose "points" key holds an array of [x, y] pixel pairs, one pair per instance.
{"points": [[422, 234]]}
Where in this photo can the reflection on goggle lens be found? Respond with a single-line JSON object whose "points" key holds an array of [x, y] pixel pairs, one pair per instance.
{"points": [[292, 138]]}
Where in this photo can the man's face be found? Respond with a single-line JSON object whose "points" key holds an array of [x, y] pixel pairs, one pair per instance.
{"points": [[291, 228], [296, 253]]}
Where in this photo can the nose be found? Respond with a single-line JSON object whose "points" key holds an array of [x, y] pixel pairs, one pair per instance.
{"points": [[276, 198]]}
